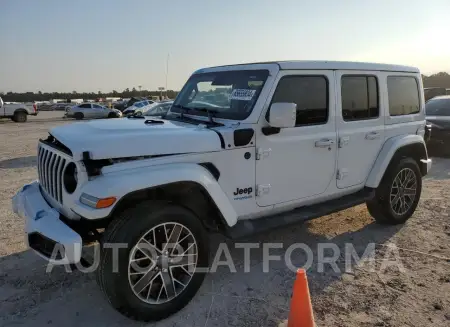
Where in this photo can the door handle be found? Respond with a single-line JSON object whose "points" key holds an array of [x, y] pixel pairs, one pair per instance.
{"points": [[372, 135], [325, 143]]}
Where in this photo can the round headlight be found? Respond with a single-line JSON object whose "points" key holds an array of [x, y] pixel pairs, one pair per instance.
{"points": [[70, 178]]}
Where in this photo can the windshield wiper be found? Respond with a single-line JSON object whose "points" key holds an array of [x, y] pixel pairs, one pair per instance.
{"points": [[211, 113], [183, 109]]}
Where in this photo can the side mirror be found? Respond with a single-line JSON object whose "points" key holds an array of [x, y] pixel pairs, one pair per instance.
{"points": [[1, 102], [282, 114]]}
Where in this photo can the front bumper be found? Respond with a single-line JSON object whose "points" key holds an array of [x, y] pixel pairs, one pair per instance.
{"points": [[44, 228]]}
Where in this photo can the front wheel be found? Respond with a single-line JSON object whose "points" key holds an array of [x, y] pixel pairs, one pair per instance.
{"points": [[398, 194], [156, 272]]}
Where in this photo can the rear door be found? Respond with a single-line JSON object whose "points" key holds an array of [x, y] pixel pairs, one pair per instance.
{"points": [[360, 125], [99, 111]]}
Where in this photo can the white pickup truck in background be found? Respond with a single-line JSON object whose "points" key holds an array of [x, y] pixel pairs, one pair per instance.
{"points": [[18, 112]]}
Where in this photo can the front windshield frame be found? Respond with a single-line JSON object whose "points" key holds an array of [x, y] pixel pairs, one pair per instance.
{"points": [[223, 112]]}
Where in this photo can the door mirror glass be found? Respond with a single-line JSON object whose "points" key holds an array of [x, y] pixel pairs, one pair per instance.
{"points": [[1, 102], [282, 114]]}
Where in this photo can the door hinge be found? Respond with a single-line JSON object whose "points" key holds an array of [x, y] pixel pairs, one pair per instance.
{"points": [[262, 153], [262, 189], [341, 174], [344, 141]]}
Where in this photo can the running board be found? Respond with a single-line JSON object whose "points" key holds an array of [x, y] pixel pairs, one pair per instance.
{"points": [[249, 227]]}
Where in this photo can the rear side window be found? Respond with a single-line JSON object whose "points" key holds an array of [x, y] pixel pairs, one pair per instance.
{"points": [[86, 105], [309, 93], [359, 97], [403, 93]]}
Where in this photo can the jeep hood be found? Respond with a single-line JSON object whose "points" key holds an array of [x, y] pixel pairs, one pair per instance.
{"points": [[121, 138]]}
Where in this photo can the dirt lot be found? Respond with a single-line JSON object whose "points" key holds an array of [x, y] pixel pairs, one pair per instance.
{"points": [[419, 295]]}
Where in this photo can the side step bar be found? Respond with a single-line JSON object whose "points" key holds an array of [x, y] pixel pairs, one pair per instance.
{"points": [[249, 227]]}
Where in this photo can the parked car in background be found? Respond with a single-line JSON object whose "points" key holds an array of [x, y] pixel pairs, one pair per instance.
{"points": [[91, 110], [141, 106], [431, 92], [438, 119], [17, 112], [438, 113], [159, 109], [61, 106], [128, 103]]}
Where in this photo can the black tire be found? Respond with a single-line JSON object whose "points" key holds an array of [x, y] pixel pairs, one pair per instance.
{"points": [[380, 207], [112, 115], [78, 115], [20, 117], [128, 228]]}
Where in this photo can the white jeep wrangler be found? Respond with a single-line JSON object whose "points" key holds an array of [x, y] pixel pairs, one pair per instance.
{"points": [[244, 149]]}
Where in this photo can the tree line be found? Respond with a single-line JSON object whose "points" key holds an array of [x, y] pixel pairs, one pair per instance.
{"points": [[46, 96], [441, 79]]}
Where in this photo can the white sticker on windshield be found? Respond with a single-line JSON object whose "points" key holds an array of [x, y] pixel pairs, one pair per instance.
{"points": [[242, 94]]}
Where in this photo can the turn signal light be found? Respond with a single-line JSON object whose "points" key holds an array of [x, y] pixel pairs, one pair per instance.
{"points": [[97, 203], [105, 203]]}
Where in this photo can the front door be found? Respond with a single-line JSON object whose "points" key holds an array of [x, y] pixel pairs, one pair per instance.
{"points": [[299, 162], [360, 123]]}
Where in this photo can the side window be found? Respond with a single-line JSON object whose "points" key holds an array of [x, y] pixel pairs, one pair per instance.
{"points": [[403, 93], [96, 106], [309, 93], [359, 97], [85, 105]]}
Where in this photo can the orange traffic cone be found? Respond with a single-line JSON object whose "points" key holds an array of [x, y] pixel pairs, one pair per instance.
{"points": [[301, 313]]}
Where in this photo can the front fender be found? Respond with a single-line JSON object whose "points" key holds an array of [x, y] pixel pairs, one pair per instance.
{"points": [[390, 147], [121, 183]]}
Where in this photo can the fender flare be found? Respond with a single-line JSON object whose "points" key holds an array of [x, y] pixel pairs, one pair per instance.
{"points": [[124, 182], [20, 110], [388, 151]]}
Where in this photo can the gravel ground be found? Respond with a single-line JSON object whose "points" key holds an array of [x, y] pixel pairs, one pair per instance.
{"points": [[417, 295]]}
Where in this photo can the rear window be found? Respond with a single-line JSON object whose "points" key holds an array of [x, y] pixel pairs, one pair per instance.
{"points": [[403, 93]]}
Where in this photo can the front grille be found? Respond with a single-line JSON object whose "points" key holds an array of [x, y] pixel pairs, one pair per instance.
{"points": [[50, 169]]}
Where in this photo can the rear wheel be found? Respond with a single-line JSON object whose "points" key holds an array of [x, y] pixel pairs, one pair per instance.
{"points": [[78, 115], [157, 269], [398, 194], [20, 117]]}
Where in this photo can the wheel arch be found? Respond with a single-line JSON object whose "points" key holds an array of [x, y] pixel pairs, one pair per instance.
{"points": [[394, 149], [21, 110], [189, 185]]}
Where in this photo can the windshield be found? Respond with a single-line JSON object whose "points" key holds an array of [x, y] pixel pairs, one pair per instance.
{"points": [[231, 94], [139, 104], [438, 107]]}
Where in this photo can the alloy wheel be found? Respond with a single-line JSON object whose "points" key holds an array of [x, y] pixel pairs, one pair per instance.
{"points": [[162, 263], [403, 191]]}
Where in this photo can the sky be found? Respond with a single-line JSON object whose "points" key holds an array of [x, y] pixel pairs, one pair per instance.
{"points": [[105, 45]]}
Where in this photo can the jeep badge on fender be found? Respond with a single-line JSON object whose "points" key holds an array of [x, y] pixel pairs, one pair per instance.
{"points": [[247, 190]]}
